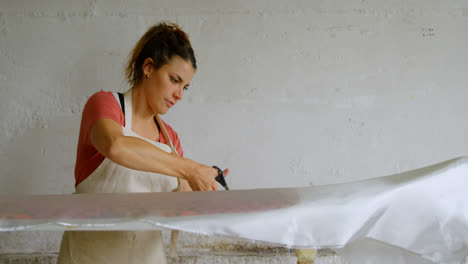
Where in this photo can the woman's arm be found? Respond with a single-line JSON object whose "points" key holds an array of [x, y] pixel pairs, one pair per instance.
{"points": [[107, 137]]}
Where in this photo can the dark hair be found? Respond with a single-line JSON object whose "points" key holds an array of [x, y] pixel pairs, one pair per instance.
{"points": [[161, 42]]}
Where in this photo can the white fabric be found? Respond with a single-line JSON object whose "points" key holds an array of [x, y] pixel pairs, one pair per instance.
{"points": [[416, 217], [85, 247]]}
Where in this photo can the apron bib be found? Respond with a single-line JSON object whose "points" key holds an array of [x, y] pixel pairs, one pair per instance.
{"points": [[86, 247]]}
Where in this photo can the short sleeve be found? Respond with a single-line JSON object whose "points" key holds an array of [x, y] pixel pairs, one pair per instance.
{"points": [[101, 105]]}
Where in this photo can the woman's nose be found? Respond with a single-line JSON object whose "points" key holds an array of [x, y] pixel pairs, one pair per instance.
{"points": [[179, 93]]}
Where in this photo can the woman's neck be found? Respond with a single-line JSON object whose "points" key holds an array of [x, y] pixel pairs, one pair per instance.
{"points": [[140, 109]]}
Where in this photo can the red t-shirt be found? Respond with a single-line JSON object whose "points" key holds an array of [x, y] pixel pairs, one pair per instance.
{"points": [[103, 105]]}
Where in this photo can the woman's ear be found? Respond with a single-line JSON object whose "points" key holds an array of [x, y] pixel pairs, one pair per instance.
{"points": [[147, 67]]}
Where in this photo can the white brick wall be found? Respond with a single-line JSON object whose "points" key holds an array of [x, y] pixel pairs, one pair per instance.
{"points": [[288, 93]]}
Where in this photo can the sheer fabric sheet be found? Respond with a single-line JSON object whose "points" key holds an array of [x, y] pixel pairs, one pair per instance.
{"points": [[420, 216]]}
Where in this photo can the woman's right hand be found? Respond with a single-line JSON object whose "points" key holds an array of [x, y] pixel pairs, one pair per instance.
{"points": [[203, 177]]}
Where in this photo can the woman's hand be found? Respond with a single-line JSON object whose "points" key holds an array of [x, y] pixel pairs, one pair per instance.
{"points": [[185, 187], [202, 178]]}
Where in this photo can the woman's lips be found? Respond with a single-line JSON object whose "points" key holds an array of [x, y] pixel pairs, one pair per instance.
{"points": [[169, 103]]}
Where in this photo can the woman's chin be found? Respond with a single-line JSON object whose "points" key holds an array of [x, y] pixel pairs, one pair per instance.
{"points": [[163, 111]]}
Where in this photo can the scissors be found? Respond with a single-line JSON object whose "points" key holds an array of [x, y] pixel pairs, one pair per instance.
{"points": [[220, 178]]}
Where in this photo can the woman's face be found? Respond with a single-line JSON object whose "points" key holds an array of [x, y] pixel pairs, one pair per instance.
{"points": [[165, 86]]}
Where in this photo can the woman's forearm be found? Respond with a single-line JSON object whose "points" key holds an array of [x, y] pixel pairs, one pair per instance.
{"points": [[107, 137], [138, 154]]}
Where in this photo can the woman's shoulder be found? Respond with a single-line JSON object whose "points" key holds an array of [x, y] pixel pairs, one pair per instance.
{"points": [[102, 104], [103, 99], [102, 95]]}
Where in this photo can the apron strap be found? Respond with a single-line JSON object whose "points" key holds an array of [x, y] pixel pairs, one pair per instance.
{"points": [[119, 97], [122, 102], [165, 134], [128, 111]]}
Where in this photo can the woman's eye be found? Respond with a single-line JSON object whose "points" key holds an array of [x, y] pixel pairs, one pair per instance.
{"points": [[185, 88], [173, 80]]}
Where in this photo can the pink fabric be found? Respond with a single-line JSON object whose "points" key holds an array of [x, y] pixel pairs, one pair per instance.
{"points": [[103, 105]]}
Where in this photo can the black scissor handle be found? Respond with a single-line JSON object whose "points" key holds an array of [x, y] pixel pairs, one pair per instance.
{"points": [[220, 178]]}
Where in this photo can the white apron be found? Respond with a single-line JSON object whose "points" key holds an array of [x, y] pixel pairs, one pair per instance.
{"points": [[83, 247]]}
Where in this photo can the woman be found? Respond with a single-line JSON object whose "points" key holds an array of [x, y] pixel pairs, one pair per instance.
{"points": [[125, 147]]}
